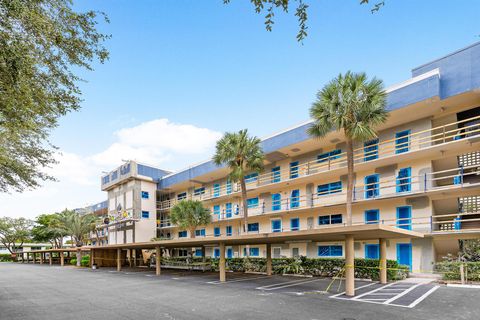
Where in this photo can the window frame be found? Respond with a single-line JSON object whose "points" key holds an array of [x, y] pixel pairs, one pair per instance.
{"points": [[404, 134], [376, 186], [372, 211]]}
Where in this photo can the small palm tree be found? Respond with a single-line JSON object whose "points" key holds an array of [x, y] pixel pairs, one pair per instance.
{"points": [[242, 154], [78, 227], [189, 214], [355, 105]]}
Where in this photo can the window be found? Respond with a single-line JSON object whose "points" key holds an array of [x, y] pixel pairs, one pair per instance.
{"points": [[228, 231], [229, 186], [216, 209], [331, 155], [254, 252], [145, 214], [371, 186], [329, 188], [228, 210], [277, 225], [114, 175], [276, 201], [199, 191], [252, 202], [181, 196], [145, 195], [294, 170], [295, 199], [372, 251], [182, 253], [200, 233], [402, 141], [330, 219], [229, 253], [216, 253], [252, 177], [330, 251], [105, 179], [404, 180], [216, 189], [216, 231], [294, 224], [372, 216], [295, 252], [404, 217], [370, 149], [276, 174], [253, 227], [198, 253], [182, 234]]}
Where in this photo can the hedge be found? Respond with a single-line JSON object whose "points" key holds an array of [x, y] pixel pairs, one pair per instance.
{"points": [[73, 261], [323, 267], [451, 270], [6, 257], [85, 262]]}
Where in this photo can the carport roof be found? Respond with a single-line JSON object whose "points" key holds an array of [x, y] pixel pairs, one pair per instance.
{"points": [[359, 232]]}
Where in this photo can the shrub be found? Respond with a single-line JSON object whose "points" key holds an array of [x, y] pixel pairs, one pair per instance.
{"points": [[6, 257], [324, 267], [85, 262], [73, 261], [451, 270]]}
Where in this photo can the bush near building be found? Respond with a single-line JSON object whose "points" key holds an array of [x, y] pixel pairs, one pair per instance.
{"points": [[451, 270], [85, 262], [6, 257], [322, 267]]}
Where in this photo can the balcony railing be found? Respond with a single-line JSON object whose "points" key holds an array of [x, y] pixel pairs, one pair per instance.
{"points": [[412, 142]]}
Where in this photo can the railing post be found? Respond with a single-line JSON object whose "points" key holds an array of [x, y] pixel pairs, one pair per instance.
{"points": [[308, 169], [431, 223], [329, 162], [425, 182], [461, 175], [287, 204], [263, 207], [354, 193]]}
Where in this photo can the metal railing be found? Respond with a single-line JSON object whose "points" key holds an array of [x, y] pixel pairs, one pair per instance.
{"points": [[413, 142]]}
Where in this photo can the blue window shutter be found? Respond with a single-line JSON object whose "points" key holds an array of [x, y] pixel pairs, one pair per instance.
{"points": [[402, 141], [404, 217]]}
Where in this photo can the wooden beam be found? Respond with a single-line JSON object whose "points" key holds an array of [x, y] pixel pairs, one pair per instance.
{"points": [[349, 266], [157, 260], [383, 260], [221, 265], [269, 259], [119, 259]]}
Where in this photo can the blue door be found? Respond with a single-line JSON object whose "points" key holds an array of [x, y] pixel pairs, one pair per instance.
{"points": [[404, 217], [275, 174], [404, 254], [402, 141], [277, 225], [371, 186], [294, 170], [372, 251], [295, 199], [216, 190], [276, 201], [229, 253]]}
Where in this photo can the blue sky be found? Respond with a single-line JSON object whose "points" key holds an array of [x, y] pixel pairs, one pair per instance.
{"points": [[214, 68]]}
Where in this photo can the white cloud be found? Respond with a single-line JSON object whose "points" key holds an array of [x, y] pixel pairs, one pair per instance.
{"points": [[159, 142]]}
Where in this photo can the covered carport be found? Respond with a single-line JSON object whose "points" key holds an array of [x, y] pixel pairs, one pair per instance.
{"points": [[112, 255], [62, 255]]}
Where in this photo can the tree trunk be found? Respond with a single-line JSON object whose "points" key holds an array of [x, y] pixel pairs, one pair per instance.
{"points": [[350, 181], [192, 232], [79, 258], [244, 204]]}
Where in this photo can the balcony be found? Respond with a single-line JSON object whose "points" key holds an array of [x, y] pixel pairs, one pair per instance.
{"points": [[395, 149]]}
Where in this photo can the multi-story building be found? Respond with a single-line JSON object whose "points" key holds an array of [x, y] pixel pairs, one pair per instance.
{"points": [[421, 174]]}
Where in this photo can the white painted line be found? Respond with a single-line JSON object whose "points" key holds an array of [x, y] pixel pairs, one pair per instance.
{"points": [[374, 290], [237, 280], [403, 293], [383, 294], [373, 299], [280, 284], [466, 286], [367, 285], [288, 285], [426, 294]]}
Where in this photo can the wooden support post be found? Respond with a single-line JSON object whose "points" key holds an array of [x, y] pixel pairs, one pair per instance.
{"points": [[130, 257], [41, 257], [119, 261], [34, 257], [349, 266], [28, 257], [92, 259], [134, 257], [269, 259], [221, 265], [462, 274], [62, 258], [383, 260], [157, 260], [23, 257], [204, 256], [50, 258]]}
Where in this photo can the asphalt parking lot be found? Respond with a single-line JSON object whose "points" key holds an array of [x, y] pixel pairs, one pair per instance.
{"points": [[44, 292]]}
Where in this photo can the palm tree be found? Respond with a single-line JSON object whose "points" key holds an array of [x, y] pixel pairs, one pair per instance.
{"points": [[78, 227], [242, 154], [189, 214], [355, 105]]}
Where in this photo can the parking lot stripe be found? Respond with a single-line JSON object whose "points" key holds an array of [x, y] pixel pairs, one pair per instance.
{"points": [[374, 290], [426, 294], [286, 285], [237, 280], [342, 293], [402, 293], [280, 284]]}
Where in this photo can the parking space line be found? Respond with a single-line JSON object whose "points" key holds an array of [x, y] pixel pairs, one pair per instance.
{"points": [[374, 290], [342, 293], [421, 298], [237, 280], [403, 293], [279, 284], [286, 285]]}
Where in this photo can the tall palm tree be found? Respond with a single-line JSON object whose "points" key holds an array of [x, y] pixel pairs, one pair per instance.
{"points": [[77, 227], [242, 154], [355, 105], [189, 214]]}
